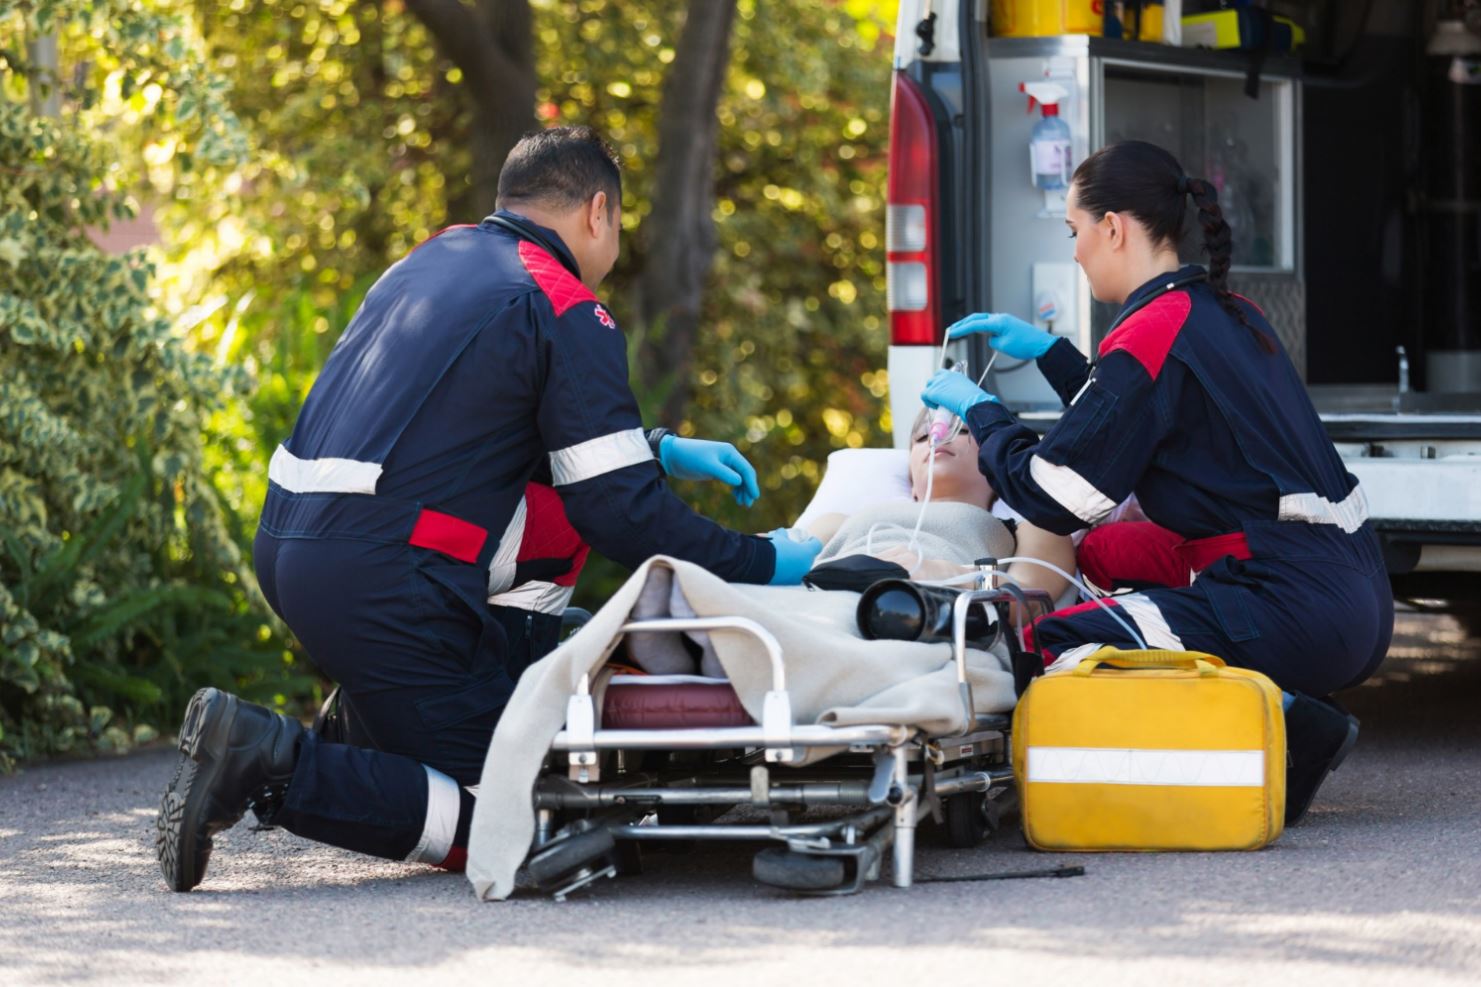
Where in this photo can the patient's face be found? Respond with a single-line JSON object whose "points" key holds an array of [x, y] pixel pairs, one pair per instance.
{"points": [[953, 468]]}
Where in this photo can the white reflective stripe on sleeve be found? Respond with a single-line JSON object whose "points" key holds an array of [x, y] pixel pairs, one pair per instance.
{"points": [[1071, 657], [1312, 508], [501, 566], [541, 597], [322, 475], [1149, 620], [1071, 491], [1119, 766], [602, 454], [443, 804]]}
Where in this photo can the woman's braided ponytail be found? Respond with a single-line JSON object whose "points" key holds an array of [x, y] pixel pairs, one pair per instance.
{"points": [[1218, 242], [1147, 182]]}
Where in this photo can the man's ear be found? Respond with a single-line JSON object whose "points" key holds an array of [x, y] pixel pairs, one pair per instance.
{"points": [[597, 214]]}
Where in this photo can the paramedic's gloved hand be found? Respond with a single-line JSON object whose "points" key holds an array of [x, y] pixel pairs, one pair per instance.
{"points": [[795, 551], [1005, 333], [701, 459], [953, 391]]}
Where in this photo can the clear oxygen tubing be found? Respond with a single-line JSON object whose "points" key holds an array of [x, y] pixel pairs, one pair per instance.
{"points": [[1089, 593], [914, 543]]}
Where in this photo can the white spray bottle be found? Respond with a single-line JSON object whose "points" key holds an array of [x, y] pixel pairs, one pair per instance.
{"points": [[1049, 147]]}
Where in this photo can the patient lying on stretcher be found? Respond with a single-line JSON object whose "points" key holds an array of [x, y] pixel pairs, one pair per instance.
{"points": [[959, 524], [958, 527]]}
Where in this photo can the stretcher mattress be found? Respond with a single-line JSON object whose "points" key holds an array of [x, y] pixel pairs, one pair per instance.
{"points": [[671, 702]]}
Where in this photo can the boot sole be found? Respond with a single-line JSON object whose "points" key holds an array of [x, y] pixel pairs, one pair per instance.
{"points": [[182, 841]]}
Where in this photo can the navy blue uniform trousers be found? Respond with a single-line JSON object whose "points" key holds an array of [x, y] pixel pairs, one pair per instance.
{"points": [[1311, 609], [420, 660]]}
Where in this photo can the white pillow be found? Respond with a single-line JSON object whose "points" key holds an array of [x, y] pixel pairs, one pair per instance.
{"points": [[858, 478]]}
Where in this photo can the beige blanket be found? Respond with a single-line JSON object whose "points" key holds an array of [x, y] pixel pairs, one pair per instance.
{"points": [[833, 676]]}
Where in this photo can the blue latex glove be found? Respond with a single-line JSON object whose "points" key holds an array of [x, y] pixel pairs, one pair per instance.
{"points": [[1005, 333], [953, 391], [793, 557], [701, 459]]}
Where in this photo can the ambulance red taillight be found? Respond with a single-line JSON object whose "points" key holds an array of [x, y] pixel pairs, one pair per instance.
{"points": [[910, 219]]}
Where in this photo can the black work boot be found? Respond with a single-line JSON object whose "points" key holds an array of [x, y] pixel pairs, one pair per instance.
{"points": [[1319, 734], [232, 754]]}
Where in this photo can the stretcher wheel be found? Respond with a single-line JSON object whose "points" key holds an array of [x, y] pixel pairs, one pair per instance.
{"points": [[562, 860], [782, 868], [969, 819]]}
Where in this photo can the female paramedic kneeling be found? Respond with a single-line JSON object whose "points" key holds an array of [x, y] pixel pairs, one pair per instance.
{"points": [[1193, 405]]}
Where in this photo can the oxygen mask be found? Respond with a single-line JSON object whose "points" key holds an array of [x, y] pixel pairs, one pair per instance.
{"points": [[945, 425]]}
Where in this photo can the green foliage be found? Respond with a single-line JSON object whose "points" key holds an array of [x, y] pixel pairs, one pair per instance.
{"points": [[360, 131], [790, 361], [121, 588]]}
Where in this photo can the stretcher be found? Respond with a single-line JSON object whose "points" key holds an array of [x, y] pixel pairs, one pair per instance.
{"points": [[676, 758]]}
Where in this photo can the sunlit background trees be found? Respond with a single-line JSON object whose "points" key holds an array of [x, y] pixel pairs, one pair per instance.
{"points": [[276, 156]]}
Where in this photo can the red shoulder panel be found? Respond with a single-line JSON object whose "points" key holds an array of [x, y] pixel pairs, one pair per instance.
{"points": [[1248, 302], [559, 286], [1149, 334]]}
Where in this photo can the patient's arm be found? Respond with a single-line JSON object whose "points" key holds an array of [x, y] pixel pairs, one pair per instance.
{"points": [[1036, 543], [825, 526]]}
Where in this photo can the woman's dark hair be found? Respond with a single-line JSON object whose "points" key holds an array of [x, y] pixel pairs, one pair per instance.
{"points": [[1146, 182]]}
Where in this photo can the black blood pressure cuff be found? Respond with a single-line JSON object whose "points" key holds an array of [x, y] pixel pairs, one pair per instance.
{"points": [[853, 572]]}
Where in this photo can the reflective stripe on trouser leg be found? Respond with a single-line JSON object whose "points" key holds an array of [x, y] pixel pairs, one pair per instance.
{"points": [[1071, 657], [1150, 622], [442, 820], [1059, 632]]}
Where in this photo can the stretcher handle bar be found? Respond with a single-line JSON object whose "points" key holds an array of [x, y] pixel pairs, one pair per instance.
{"points": [[683, 624], [959, 610], [816, 793], [725, 738], [750, 831], [976, 781]]}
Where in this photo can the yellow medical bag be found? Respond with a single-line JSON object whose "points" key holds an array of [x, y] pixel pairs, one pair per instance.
{"points": [[1151, 750]]}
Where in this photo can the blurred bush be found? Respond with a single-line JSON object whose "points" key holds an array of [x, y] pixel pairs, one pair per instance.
{"points": [[121, 587]]}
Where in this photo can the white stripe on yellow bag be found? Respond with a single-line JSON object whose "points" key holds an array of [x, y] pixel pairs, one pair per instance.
{"points": [[1128, 766]]}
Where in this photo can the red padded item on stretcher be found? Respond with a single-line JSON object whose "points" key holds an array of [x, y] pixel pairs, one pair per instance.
{"points": [[672, 706]]}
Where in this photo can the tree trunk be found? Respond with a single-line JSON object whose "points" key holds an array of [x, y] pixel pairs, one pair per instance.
{"points": [[493, 45], [679, 231]]}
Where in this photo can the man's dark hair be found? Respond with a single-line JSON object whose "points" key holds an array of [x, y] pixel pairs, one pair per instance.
{"points": [[562, 168]]}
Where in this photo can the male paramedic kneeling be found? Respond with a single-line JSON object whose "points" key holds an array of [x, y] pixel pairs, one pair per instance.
{"points": [[1194, 406], [396, 510]]}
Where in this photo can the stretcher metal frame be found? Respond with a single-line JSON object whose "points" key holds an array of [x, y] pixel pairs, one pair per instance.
{"points": [[601, 786]]}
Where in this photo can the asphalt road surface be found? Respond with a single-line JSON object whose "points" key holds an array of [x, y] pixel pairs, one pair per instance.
{"points": [[1381, 885]]}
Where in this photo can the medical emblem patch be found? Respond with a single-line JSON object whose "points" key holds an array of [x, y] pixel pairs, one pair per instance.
{"points": [[605, 319]]}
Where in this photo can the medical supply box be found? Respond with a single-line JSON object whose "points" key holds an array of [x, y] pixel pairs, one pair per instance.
{"points": [[1151, 750], [1242, 28]]}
